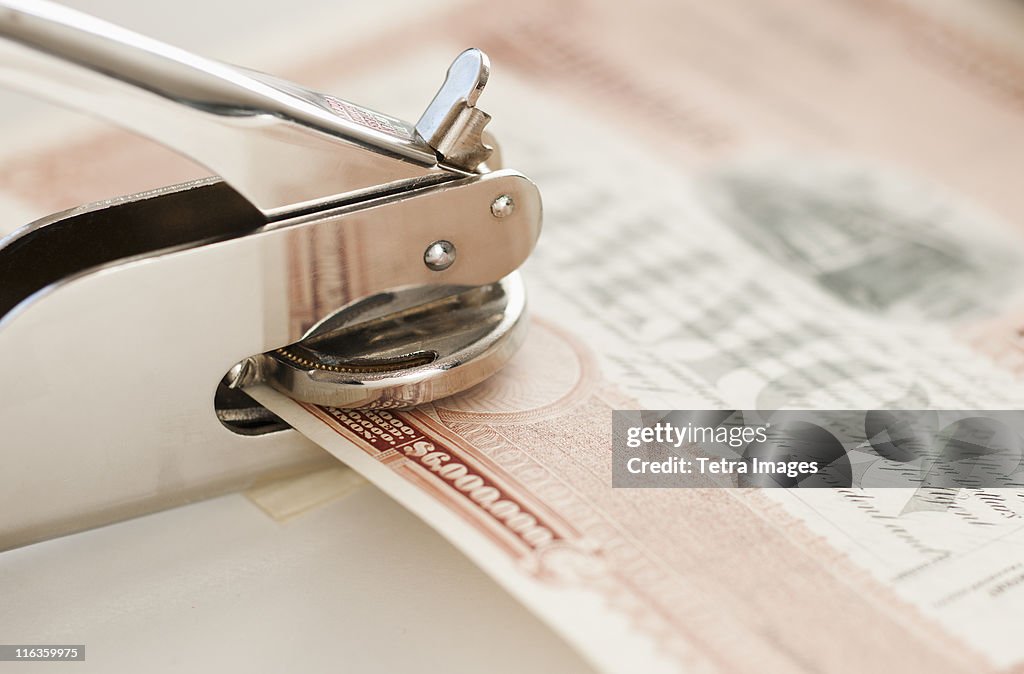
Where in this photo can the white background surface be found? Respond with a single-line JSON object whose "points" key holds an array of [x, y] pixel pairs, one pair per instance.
{"points": [[357, 585]]}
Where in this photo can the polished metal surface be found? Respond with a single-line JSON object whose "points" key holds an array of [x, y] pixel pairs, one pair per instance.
{"points": [[439, 255], [347, 258], [451, 124], [313, 265], [109, 375], [427, 351], [503, 206]]}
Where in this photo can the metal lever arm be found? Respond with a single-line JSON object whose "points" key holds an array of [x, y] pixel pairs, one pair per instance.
{"points": [[281, 146]]}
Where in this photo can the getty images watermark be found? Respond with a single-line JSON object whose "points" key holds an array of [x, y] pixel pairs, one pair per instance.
{"points": [[818, 448]]}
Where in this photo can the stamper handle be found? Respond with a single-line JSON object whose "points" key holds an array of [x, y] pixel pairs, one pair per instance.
{"points": [[284, 147]]}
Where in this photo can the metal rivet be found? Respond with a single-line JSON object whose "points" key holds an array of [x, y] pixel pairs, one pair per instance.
{"points": [[439, 255], [502, 206]]}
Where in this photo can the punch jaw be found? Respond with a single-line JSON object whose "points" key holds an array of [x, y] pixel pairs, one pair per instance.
{"points": [[428, 351], [411, 327]]}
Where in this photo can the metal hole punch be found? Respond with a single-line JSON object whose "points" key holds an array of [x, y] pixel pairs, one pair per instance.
{"points": [[344, 256]]}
